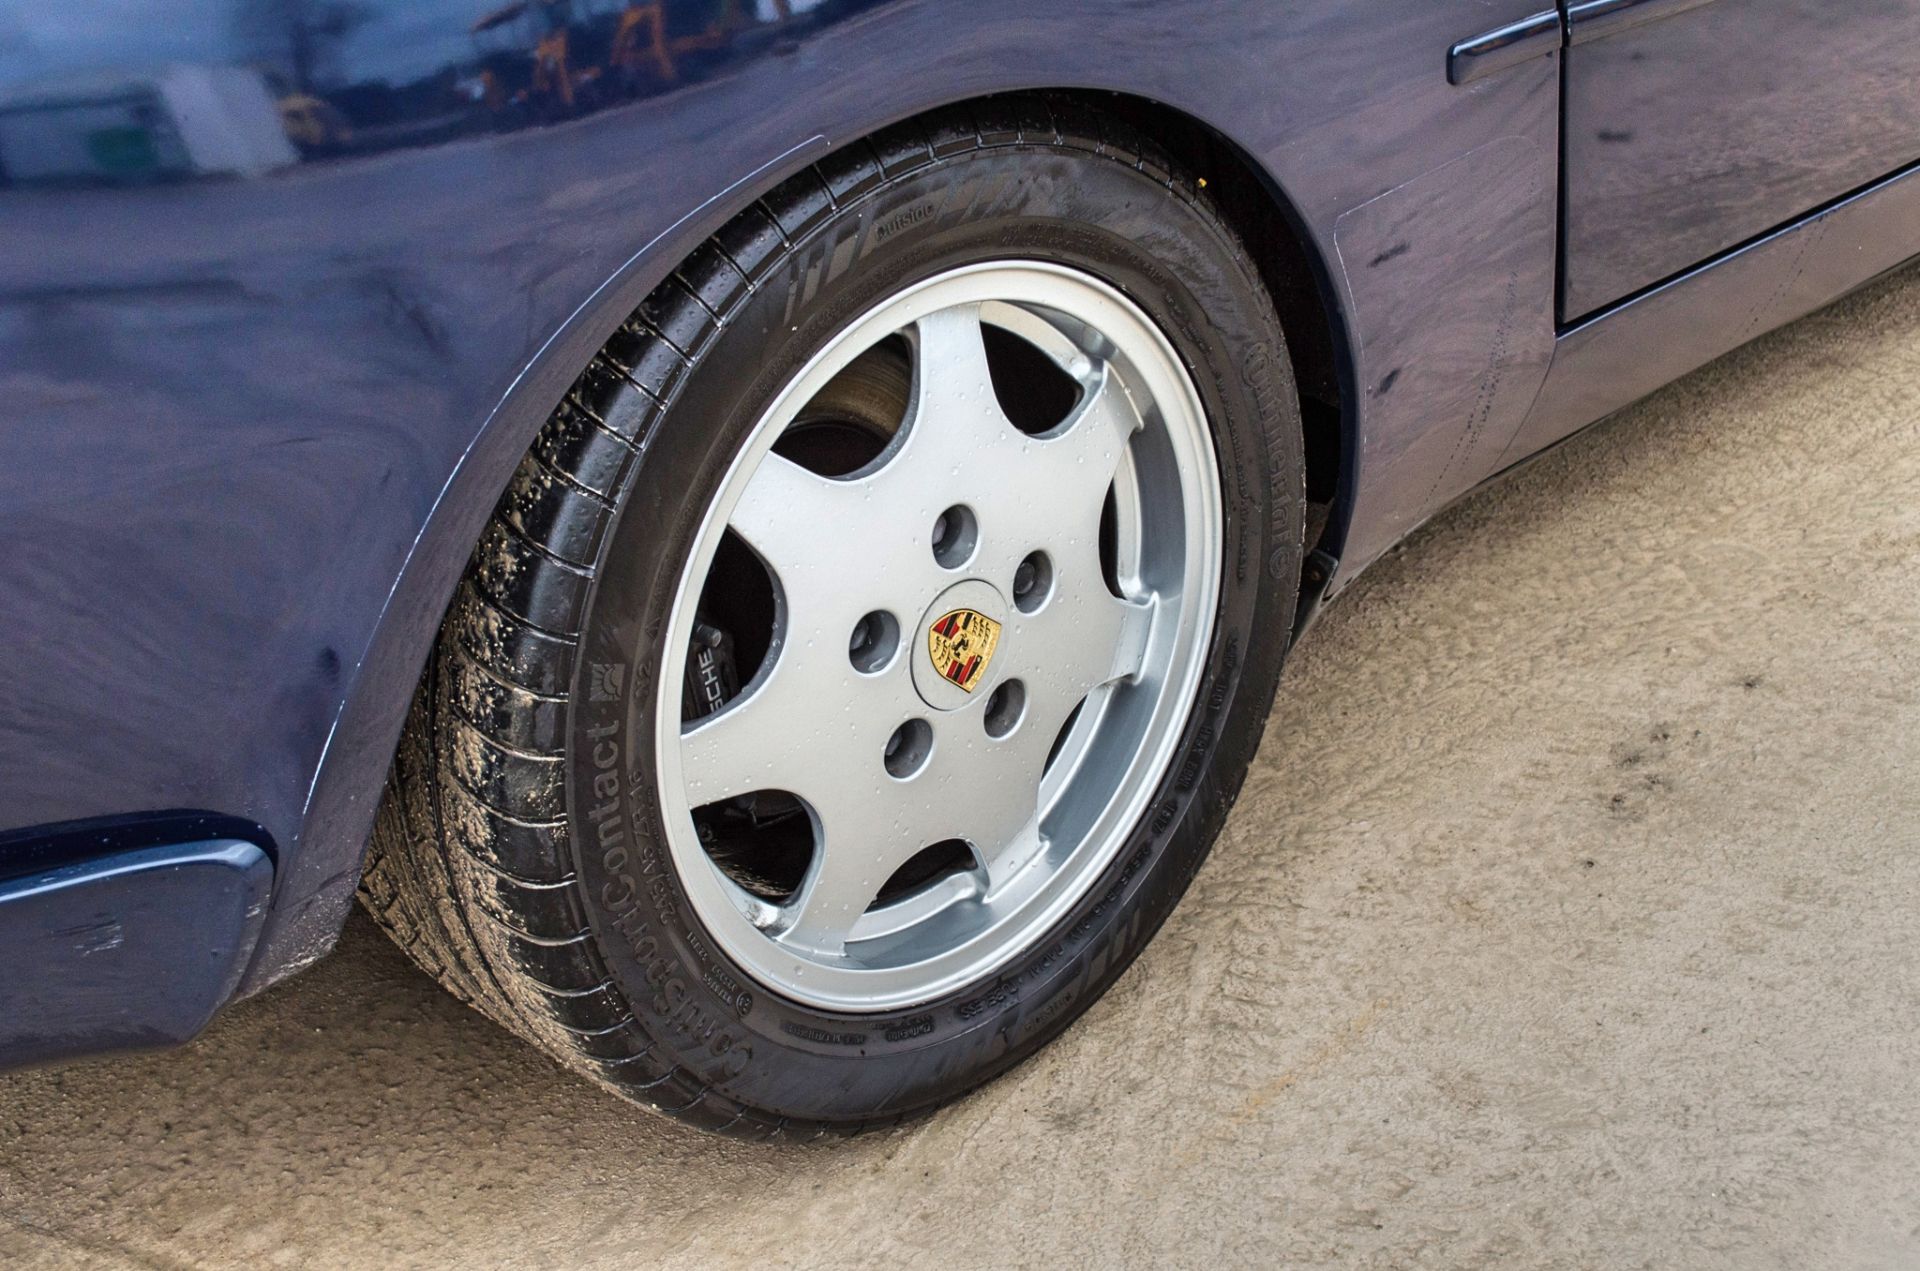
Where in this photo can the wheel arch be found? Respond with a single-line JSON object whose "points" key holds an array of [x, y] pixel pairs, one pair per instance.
{"points": [[346, 787], [1296, 277]]}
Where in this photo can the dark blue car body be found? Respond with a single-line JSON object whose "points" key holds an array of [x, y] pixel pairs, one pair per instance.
{"points": [[288, 286]]}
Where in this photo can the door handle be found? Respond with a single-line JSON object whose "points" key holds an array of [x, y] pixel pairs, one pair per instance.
{"points": [[1504, 46]]}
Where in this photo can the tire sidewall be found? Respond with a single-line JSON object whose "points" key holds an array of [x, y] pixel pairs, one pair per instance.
{"points": [[1172, 257]]}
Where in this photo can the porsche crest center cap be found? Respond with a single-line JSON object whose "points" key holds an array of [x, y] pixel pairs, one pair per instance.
{"points": [[961, 644], [959, 635]]}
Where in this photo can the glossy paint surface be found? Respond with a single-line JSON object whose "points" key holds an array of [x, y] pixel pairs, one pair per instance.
{"points": [[129, 953], [262, 376], [1610, 362], [1709, 124]]}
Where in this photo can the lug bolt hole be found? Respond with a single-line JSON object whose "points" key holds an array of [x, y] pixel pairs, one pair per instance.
{"points": [[1005, 707], [955, 532], [908, 749], [875, 639], [1032, 582]]}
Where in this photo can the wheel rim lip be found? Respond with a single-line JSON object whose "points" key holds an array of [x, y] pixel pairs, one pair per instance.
{"points": [[1177, 411]]}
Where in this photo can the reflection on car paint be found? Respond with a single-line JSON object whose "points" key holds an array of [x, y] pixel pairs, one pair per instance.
{"points": [[286, 96]]}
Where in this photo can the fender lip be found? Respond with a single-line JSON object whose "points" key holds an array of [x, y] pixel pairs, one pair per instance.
{"points": [[129, 951]]}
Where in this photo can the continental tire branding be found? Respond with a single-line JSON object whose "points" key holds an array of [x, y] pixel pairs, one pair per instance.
{"points": [[631, 863]]}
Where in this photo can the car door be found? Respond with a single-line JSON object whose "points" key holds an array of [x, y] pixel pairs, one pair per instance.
{"points": [[1692, 126]]}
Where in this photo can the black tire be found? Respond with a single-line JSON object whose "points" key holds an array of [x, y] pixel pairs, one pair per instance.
{"points": [[486, 866]]}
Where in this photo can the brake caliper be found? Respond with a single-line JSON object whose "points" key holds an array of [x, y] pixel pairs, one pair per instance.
{"points": [[712, 677]]}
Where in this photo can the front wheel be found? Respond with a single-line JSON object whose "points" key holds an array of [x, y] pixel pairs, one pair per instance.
{"points": [[868, 651]]}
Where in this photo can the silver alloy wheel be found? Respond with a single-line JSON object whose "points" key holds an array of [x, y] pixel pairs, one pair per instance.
{"points": [[1040, 744]]}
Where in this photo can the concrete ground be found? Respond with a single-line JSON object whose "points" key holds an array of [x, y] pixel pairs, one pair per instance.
{"points": [[1571, 917]]}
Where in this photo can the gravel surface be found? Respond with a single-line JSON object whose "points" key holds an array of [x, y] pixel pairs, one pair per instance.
{"points": [[1568, 919]]}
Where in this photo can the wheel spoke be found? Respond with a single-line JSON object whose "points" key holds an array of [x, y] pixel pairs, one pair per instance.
{"points": [[742, 749], [951, 380], [797, 522], [843, 882], [867, 823], [990, 792], [956, 434], [1049, 491], [1005, 860], [986, 793], [867, 830], [1089, 637], [1136, 631], [1077, 459], [809, 725], [1103, 421]]}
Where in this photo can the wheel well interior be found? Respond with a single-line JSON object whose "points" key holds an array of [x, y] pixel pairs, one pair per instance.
{"points": [[1294, 276]]}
